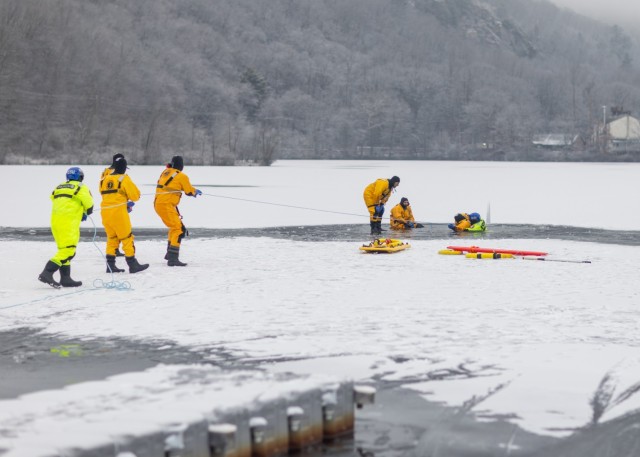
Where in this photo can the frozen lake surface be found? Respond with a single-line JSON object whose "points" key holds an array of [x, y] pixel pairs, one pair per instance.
{"points": [[275, 280]]}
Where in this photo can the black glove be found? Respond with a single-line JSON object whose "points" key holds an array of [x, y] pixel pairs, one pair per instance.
{"points": [[419, 225], [409, 224]]}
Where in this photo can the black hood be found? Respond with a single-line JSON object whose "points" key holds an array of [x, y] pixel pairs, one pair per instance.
{"points": [[177, 163], [120, 166], [116, 157]]}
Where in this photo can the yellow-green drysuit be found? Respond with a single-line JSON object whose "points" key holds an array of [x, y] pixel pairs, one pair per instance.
{"points": [[116, 190], [71, 200]]}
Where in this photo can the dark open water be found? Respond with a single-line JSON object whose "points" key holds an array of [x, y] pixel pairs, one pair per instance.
{"points": [[360, 232]]}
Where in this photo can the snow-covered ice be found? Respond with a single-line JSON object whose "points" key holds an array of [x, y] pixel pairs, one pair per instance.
{"points": [[534, 338]]}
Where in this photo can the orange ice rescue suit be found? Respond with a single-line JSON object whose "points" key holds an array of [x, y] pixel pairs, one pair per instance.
{"points": [[375, 196], [172, 183]]}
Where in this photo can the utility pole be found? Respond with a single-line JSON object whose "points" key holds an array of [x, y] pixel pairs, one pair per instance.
{"points": [[604, 128]]}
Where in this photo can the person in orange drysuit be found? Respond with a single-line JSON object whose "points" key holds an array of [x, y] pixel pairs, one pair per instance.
{"points": [[171, 184], [402, 216], [375, 196], [106, 172], [118, 196], [462, 222]]}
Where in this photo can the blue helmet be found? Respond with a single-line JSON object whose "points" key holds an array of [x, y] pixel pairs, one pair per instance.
{"points": [[75, 174], [474, 218]]}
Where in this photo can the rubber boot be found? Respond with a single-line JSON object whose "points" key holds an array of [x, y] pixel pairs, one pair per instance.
{"points": [[111, 265], [47, 274], [166, 256], [65, 277], [134, 266], [379, 227], [119, 254], [172, 257]]}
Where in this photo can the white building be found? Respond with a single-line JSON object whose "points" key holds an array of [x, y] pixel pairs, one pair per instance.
{"points": [[623, 134]]}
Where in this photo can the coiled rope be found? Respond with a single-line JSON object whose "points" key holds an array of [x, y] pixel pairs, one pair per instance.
{"points": [[98, 283]]}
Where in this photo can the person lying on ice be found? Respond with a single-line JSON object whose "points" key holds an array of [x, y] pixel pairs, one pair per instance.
{"points": [[402, 216], [375, 196], [468, 223]]}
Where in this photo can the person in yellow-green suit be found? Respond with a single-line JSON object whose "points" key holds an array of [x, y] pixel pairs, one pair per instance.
{"points": [[72, 203], [118, 196], [375, 196], [171, 184]]}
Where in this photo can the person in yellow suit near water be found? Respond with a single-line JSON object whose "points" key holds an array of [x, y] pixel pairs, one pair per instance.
{"points": [[72, 203], [118, 196], [172, 183], [402, 216], [106, 172], [375, 196]]}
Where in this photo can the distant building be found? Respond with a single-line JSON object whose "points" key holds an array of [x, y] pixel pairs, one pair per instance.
{"points": [[623, 134], [555, 140]]}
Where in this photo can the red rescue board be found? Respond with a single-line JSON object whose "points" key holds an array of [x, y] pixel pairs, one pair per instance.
{"points": [[501, 251]]}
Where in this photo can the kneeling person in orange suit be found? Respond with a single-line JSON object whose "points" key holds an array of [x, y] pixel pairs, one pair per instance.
{"points": [[118, 196], [172, 183], [402, 216]]}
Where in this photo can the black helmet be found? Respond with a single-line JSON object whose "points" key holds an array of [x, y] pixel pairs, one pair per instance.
{"points": [[393, 180], [404, 200]]}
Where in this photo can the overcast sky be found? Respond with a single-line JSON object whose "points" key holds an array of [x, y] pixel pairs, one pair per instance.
{"points": [[623, 12]]}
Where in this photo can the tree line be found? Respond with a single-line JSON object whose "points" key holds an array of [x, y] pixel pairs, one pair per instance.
{"points": [[228, 81]]}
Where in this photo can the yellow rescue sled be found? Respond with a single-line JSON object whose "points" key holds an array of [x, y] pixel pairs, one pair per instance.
{"points": [[385, 246]]}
